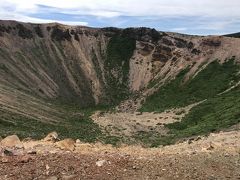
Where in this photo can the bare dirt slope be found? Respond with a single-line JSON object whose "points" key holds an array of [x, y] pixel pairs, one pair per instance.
{"points": [[213, 157]]}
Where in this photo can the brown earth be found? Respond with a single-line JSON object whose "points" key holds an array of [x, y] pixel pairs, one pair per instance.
{"points": [[213, 157]]}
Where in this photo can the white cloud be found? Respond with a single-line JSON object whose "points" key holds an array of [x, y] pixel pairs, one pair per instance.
{"points": [[23, 18], [222, 10], [13, 10], [179, 29]]}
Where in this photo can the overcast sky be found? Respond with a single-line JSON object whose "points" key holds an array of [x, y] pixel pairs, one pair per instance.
{"points": [[184, 16]]}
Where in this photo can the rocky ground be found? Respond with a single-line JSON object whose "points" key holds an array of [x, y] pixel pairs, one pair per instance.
{"points": [[214, 157], [128, 124]]}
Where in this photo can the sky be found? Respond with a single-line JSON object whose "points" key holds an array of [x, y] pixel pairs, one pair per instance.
{"points": [[202, 17]]}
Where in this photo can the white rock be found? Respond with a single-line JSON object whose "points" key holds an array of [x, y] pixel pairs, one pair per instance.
{"points": [[100, 163]]}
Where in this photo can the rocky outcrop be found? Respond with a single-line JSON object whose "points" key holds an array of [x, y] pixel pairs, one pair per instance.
{"points": [[211, 42], [12, 142], [52, 137], [66, 144]]}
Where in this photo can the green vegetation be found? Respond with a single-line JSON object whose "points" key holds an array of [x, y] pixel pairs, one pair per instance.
{"points": [[153, 139], [214, 79], [235, 35], [216, 113], [76, 124], [73, 126], [119, 51], [59, 34], [114, 140], [23, 32], [212, 115]]}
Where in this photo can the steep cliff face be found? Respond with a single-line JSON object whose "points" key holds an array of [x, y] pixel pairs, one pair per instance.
{"points": [[53, 61], [75, 64], [90, 66]]}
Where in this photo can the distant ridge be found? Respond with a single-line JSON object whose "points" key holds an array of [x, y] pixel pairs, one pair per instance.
{"points": [[235, 35]]}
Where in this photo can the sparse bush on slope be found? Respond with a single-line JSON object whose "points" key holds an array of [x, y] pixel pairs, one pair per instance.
{"points": [[214, 79], [119, 51]]}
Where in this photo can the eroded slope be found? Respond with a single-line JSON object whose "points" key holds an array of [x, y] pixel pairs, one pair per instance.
{"points": [[49, 72]]}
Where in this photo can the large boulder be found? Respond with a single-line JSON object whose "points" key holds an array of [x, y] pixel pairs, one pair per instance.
{"points": [[66, 144], [12, 142], [53, 136]]}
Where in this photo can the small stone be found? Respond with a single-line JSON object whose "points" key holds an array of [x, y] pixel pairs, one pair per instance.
{"points": [[52, 178], [4, 160], [8, 152], [198, 138], [100, 163], [190, 140], [32, 152], [210, 147], [69, 177], [193, 152], [138, 113], [228, 176], [78, 141], [226, 155], [25, 159], [47, 169], [13, 152]]}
